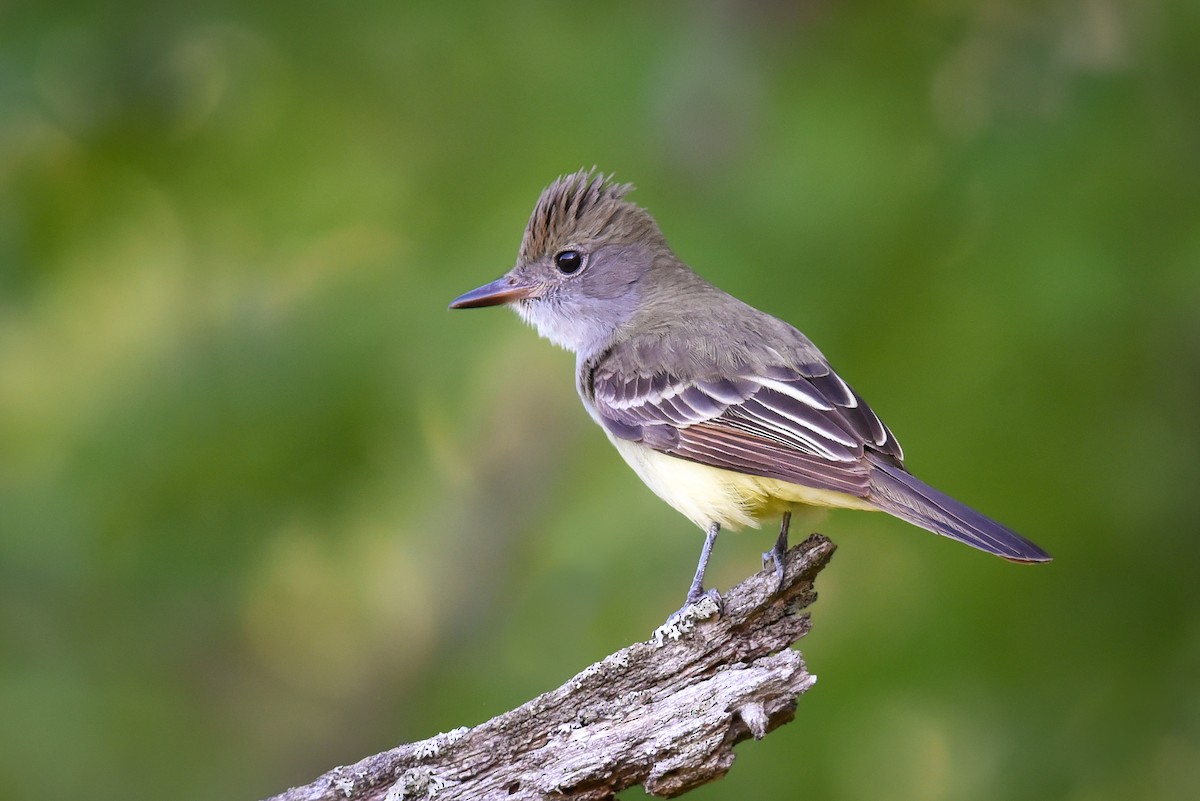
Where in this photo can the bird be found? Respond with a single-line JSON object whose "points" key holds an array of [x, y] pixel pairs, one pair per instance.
{"points": [[729, 414]]}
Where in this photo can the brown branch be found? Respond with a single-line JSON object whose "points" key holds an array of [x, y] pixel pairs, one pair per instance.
{"points": [[664, 713]]}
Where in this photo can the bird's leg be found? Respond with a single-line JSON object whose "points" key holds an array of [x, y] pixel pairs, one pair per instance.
{"points": [[777, 553], [695, 608], [697, 591]]}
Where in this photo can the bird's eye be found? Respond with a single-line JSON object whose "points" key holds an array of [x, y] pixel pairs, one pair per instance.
{"points": [[569, 261]]}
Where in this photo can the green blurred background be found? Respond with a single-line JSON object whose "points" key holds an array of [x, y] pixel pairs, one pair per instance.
{"points": [[266, 506]]}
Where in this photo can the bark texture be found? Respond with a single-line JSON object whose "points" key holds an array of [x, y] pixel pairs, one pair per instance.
{"points": [[665, 713]]}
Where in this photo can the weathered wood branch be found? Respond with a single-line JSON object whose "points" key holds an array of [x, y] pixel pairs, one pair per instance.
{"points": [[664, 713]]}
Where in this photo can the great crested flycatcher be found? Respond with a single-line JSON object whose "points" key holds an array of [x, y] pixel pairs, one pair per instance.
{"points": [[728, 414]]}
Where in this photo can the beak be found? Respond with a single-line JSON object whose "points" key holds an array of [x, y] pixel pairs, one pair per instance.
{"points": [[505, 289]]}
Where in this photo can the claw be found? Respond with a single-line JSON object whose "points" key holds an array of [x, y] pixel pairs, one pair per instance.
{"points": [[705, 605], [711, 594]]}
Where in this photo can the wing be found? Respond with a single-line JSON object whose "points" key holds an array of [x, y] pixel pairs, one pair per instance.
{"points": [[806, 425], [802, 425]]}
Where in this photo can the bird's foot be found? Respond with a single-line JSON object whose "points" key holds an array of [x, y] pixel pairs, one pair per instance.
{"points": [[700, 605], [701, 596], [776, 556]]}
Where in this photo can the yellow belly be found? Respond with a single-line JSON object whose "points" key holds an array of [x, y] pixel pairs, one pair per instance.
{"points": [[707, 495]]}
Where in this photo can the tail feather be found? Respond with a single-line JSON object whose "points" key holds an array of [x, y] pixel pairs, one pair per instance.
{"points": [[903, 495]]}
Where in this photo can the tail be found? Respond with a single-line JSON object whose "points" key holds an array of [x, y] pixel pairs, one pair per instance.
{"points": [[901, 494]]}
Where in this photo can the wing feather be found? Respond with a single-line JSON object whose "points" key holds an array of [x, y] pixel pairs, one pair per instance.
{"points": [[804, 426], [747, 453]]}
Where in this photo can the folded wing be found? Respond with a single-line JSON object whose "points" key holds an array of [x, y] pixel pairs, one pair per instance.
{"points": [[805, 426]]}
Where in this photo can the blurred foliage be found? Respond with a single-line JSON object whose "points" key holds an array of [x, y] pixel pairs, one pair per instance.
{"points": [[267, 507]]}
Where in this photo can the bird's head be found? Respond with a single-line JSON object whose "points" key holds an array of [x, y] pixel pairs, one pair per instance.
{"points": [[581, 270]]}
